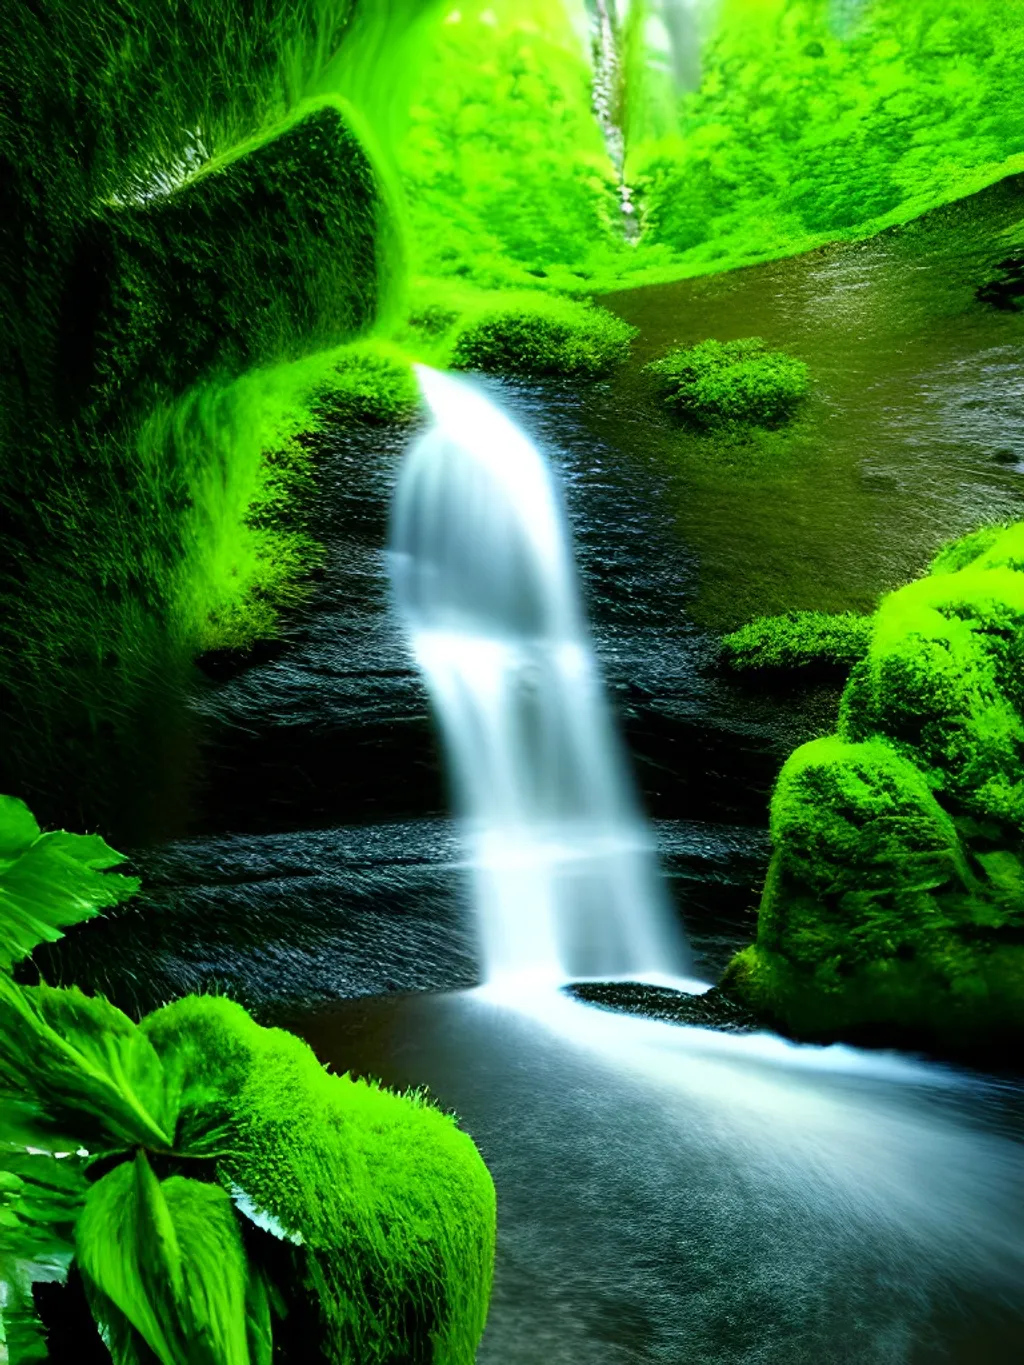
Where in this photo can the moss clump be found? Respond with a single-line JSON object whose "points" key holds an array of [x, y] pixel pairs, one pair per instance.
{"points": [[538, 335], [387, 1207], [799, 641], [895, 896], [731, 383], [371, 381]]}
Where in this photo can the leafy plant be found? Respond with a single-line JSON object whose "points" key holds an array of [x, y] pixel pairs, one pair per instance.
{"points": [[161, 1157]]}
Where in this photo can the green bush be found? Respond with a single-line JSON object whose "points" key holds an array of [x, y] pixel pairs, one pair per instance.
{"points": [[211, 1169], [800, 641], [728, 383], [895, 896], [538, 335]]}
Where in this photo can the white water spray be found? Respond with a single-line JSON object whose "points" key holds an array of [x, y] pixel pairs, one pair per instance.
{"points": [[567, 886]]}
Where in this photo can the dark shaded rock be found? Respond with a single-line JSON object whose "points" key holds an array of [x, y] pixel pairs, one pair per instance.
{"points": [[714, 1009]]}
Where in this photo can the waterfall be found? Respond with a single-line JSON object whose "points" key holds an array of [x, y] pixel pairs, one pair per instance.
{"points": [[607, 102], [565, 879]]}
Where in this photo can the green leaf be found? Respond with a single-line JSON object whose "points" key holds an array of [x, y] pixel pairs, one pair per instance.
{"points": [[50, 881], [40, 1199], [18, 828], [168, 1257], [91, 1074]]}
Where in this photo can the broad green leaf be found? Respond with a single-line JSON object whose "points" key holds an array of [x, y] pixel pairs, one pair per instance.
{"points": [[50, 881], [168, 1256], [40, 1199], [91, 1074], [18, 828]]}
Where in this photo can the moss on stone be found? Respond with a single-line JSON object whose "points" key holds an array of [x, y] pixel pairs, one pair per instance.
{"points": [[798, 641], [536, 334], [731, 383], [369, 381], [155, 399], [387, 1207], [895, 896], [263, 254]]}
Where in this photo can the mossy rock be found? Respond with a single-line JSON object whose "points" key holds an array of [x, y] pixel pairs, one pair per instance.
{"points": [[383, 1205], [731, 383], [371, 382], [798, 642], [895, 896], [267, 253], [540, 335]]}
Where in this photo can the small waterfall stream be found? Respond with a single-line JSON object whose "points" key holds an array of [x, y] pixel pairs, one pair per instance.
{"points": [[566, 883]]}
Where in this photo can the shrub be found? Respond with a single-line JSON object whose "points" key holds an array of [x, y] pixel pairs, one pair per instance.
{"points": [[217, 1169], [537, 335], [804, 641], [726, 383], [895, 896]]}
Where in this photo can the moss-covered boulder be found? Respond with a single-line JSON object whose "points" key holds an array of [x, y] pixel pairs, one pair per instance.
{"points": [[267, 252], [895, 897], [731, 383], [537, 335], [383, 1205], [798, 642]]}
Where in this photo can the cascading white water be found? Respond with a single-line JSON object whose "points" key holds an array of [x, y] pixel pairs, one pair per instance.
{"points": [[566, 882]]}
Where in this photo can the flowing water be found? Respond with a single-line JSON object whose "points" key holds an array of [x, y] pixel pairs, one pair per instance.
{"points": [[565, 881], [665, 1194]]}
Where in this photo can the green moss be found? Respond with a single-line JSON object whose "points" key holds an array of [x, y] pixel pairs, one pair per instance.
{"points": [[541, 335], [731, 383], [895, 896], [370, 381], [154, 475], [265, 253], [389, 1208], [798, 641]]}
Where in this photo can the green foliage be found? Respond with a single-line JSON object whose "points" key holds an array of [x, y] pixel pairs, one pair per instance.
{"points": [[371, 381], [84, 1067], [40, 1199], [727, 383], [798, 641], [506, 173], [895, 895], [163, 1261], [319, 1153], [50, 881], [541, 335], [386, 1205], [803, 131]]}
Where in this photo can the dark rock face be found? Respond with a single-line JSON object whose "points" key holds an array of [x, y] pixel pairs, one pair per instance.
{"points": [[895, 896], [1006, 290]]}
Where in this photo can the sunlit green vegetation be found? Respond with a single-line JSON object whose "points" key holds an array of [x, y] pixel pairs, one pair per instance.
{"points": [[803, 641], [730, 383], [895, 896], [203, 1174], [538, 335]]}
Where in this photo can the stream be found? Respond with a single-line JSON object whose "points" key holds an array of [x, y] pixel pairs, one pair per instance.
{"points": [[665, 1194]]}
